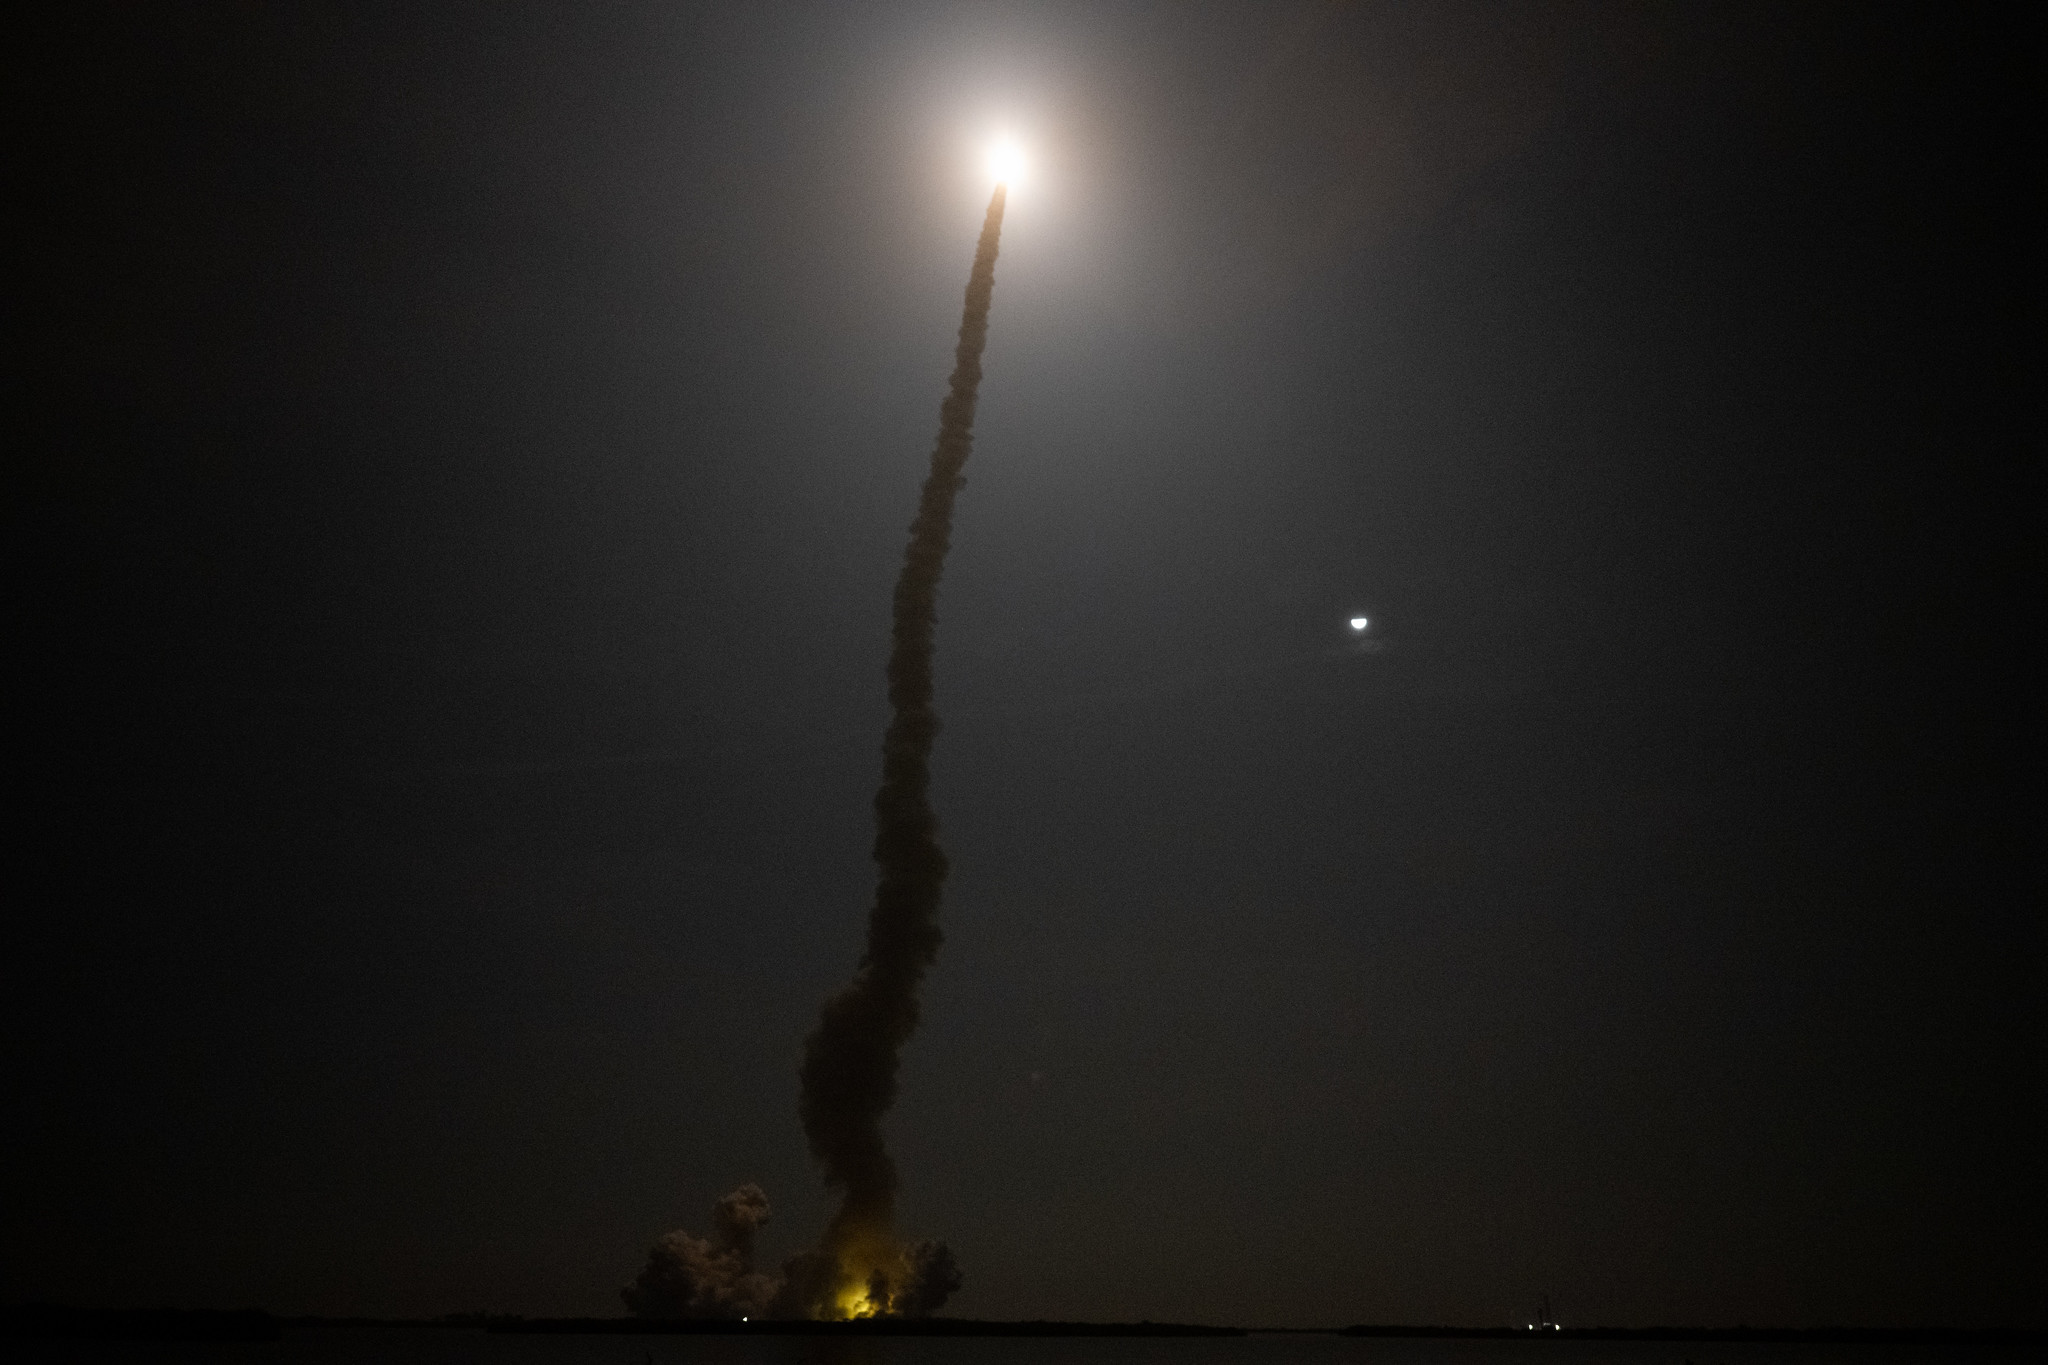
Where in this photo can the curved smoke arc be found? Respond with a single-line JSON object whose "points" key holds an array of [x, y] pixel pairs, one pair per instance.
{"points": [[850, 1059]]}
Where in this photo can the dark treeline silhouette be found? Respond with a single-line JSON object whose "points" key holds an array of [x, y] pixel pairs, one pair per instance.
{"points": [[1986, 1336], [859, 1327], [49, 1321]]}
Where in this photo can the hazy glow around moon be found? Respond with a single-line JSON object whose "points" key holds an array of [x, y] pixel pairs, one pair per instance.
{"points": [[1006, 161]]}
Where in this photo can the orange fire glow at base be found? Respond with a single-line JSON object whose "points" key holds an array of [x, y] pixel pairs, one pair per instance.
{"points": [[853, 1303], [872, 1269]]}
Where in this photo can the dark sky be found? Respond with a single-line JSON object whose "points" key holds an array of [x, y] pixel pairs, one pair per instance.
{"points": [[467, 453]]}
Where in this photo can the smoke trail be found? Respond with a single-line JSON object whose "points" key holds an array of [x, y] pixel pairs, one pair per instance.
{"points": [[850, 1059], [697, 1277]]}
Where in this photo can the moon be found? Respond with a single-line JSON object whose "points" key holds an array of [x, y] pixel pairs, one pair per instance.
{"points": [[1358, 624]]}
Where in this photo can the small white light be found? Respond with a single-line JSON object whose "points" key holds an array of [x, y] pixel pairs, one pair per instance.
{"points": [[1359, 623]]}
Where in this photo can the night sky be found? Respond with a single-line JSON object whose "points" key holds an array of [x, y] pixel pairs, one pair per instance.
{"points": [[461, 456]]}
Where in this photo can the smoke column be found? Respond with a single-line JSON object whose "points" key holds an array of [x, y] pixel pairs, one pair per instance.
{"points": [[850, 1059], [859, 1269]]}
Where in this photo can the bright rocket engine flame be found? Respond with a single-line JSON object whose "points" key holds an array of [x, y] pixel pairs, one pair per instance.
{"points": [[854, 1303], [1006, 161]]}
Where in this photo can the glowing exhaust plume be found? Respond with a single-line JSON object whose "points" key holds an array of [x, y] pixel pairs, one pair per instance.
{"points": [[1006, 162]]}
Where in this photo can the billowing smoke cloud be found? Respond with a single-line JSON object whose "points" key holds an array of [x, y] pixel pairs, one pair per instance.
{"points": [[859, 1269], [691, 1277], [714, 1277], [850, 1059]]}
